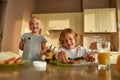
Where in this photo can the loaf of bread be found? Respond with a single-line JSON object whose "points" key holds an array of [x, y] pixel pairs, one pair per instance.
{"points": [[8, 57]]}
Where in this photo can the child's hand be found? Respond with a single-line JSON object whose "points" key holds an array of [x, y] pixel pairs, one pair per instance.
{"points": [[91, 57], [62, 57]]}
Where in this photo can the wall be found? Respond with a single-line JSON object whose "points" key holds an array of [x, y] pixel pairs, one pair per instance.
{"points": [[89, 4], [16, 18], [48, 6], [12, 25], [53, 38]]}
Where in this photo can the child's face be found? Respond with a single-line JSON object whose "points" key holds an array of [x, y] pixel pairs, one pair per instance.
{"points": [[35, 25], [69, 41]]}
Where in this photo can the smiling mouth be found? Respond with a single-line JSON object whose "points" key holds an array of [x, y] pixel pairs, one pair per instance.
{"points": [[69, 44]]}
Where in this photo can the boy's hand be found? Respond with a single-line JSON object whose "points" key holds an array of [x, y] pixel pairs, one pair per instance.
{"points": [[62, 57], [91, 57]]}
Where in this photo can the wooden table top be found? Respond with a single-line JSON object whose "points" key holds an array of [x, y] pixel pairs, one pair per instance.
{"points": [[54, 72]]}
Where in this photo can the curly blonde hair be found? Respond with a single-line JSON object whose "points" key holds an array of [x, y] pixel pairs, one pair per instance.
{"points": [[65, 31]]}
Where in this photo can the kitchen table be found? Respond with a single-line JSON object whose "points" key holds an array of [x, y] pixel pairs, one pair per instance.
{"points": [[55, 72]]}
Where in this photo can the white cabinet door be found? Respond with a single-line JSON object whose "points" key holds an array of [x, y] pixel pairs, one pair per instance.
{"points": [[103, 19], [57, 21], [90, 21], [106, 20], [113, 20], [100, 20], [75, 21]]}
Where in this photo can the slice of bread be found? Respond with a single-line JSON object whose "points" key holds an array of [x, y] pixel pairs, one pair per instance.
{"points": [[18, 58], [8, 57], [5, 58]]}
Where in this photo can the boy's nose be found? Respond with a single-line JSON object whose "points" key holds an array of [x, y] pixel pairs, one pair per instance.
{"points": [[68, 41]]}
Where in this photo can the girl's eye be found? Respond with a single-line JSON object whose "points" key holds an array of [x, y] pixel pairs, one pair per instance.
{"points": [[37, 23], [34, 23], [31, 23], [70, 39]]}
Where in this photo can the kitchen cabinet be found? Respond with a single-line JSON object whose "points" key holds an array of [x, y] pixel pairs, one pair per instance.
{"points": [[53, 21], [100, 20], [75, 21], [60, 21], [57, 21]]}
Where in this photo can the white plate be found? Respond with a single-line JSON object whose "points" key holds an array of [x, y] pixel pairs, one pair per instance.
{"points": [[80, 64], [85, 64]]}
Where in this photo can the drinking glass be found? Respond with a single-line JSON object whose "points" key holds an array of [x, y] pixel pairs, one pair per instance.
{"points": [[103, 55], [118, 64]]}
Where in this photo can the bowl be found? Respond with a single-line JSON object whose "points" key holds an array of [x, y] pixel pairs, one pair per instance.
{"points": [[40, 64]]}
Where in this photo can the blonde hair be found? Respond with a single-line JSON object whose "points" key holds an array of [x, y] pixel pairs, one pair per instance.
{"points": [[34, 17], [65, 31]]}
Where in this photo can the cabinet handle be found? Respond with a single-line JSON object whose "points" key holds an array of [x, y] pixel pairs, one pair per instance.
{"points": [[90, 30], [105, 30]]}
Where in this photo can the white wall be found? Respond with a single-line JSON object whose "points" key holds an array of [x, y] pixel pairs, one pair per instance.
{"points": [[18, 13]]}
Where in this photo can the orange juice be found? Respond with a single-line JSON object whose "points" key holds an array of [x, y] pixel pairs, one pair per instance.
{"points": [[104, 58], [118, 64]]}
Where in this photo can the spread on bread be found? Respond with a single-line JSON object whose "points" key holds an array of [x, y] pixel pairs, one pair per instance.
{"points": [[8, 57], [77, 60]]}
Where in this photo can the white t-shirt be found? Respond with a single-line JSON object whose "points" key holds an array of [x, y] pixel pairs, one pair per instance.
{"points": [[78, 51]]}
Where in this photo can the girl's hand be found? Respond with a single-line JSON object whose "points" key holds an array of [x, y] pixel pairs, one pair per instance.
{"points": [[91, 57], [62, 57]]}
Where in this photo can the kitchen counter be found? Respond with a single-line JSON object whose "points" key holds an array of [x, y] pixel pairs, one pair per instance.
{"points": [[54, 72]]}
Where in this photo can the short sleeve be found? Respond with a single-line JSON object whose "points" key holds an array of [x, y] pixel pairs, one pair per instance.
{"points": [[23, 36], [44, 39], [59, 50]]}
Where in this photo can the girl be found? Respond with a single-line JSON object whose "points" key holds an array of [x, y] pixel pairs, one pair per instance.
{"points": [[69, 49], [33, 44]]}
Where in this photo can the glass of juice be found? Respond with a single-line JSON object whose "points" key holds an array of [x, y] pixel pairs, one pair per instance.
{"points": [[118, 64], [104, 55]]}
